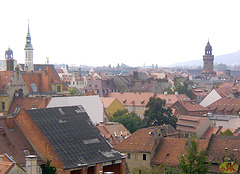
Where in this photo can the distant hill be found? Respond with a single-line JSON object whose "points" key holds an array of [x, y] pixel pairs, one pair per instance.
{"points": [[228, 59]]}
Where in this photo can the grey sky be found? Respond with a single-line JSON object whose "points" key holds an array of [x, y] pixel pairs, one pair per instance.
{"points": [[134, 32]]}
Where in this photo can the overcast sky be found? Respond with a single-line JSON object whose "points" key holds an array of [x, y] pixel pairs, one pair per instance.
{"points": [[134, 32]]}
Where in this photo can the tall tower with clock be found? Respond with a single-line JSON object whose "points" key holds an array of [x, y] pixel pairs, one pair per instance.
{"points": [[208, 59], [28, 52]]}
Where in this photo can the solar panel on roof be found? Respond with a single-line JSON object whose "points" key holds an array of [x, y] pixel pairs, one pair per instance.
{"points": [[75, 139]]}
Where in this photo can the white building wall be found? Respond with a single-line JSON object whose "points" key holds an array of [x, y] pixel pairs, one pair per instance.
{"points": [[210, 98], [92, 105]]}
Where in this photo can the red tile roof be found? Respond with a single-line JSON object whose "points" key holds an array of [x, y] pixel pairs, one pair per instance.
{"points": [[5, 78], [141, 141], [223, 91], [5, 167], [131, 98], [193, 106], [107, 101], [170, 150], [28, 103], [43, 80], [228, 105], [191, 123], [173, 98]]}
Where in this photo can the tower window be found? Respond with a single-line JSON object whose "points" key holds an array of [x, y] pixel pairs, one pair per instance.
{"points": [[3, 106]]}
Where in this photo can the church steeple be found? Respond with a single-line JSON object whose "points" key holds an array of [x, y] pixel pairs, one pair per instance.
{"points": [[28, 52], [28, 45]]}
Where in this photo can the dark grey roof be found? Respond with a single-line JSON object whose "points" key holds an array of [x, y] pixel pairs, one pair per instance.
{"points": [[41, 67], [73, 136]]}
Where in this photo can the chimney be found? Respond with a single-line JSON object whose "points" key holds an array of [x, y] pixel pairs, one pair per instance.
{"points": [[10, 122], [165, 92], [176, 93], [31, 164], [1, 157]]}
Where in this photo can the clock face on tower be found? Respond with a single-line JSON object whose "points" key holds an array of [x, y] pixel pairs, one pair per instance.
{"points": [[28, 40]]}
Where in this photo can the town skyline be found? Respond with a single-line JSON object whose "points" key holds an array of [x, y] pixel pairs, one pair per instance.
{"points": [[134, 33]]}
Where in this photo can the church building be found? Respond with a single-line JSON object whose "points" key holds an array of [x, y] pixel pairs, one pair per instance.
{"points": [[28, 53], [208, 59]]}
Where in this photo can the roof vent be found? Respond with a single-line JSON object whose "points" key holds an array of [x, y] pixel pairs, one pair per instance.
{"points": [[61, 111]]}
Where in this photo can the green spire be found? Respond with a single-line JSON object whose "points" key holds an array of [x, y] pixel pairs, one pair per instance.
{"points": [[28, 45]]}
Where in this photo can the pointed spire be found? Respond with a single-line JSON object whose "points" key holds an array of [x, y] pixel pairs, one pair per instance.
{"points": [[28, 27], [28, 45]]}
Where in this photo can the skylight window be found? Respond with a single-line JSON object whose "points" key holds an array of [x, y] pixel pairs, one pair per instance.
{"points": [[34, 87]]}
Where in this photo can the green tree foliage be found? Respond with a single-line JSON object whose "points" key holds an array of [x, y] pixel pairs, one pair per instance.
{"points": [[47, 169], [73, 91], [221, 67], [130, 120], [157, 114], [183, 89], [226, 132], [169, 90], [194, 162]]}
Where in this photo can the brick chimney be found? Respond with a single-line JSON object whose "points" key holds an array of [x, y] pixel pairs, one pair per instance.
{"points": [[31, 164]]}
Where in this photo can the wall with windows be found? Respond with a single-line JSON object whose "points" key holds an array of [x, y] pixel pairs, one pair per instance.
{"points": [[138, 159]]}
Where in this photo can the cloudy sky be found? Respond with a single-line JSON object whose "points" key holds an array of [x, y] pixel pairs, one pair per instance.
{"points": [[134, 32]]}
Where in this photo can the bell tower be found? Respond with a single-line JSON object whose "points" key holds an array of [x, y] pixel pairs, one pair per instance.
{"points": [[9, 60], [28, 52], [208, 59]]}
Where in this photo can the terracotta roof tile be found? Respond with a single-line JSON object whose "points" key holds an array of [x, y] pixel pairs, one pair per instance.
{"points": [[28, 103], [5, 167], [127, 98], [170, 150], [191, 123], [142, 141], [5, 78], [107, 101]]}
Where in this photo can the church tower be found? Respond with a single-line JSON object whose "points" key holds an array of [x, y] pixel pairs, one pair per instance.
{"points": [[208, 59], [28, 52], [9, 60]]}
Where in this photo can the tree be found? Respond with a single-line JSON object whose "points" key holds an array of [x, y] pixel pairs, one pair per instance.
{"points": [[73, 91], [157, 114], [194, 162], [226, 132], [47, 169], [221, 67], [130, 120]]}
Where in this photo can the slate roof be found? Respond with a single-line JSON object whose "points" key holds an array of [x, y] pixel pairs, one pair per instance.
{"points": [[73, 136]]}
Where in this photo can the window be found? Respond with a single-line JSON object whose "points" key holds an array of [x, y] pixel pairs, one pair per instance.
{"points": [[3, 106], [140, 108], [144, 157], [59, 89], [128, 155], [34, 87], [141, 116], [136, 108]]}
